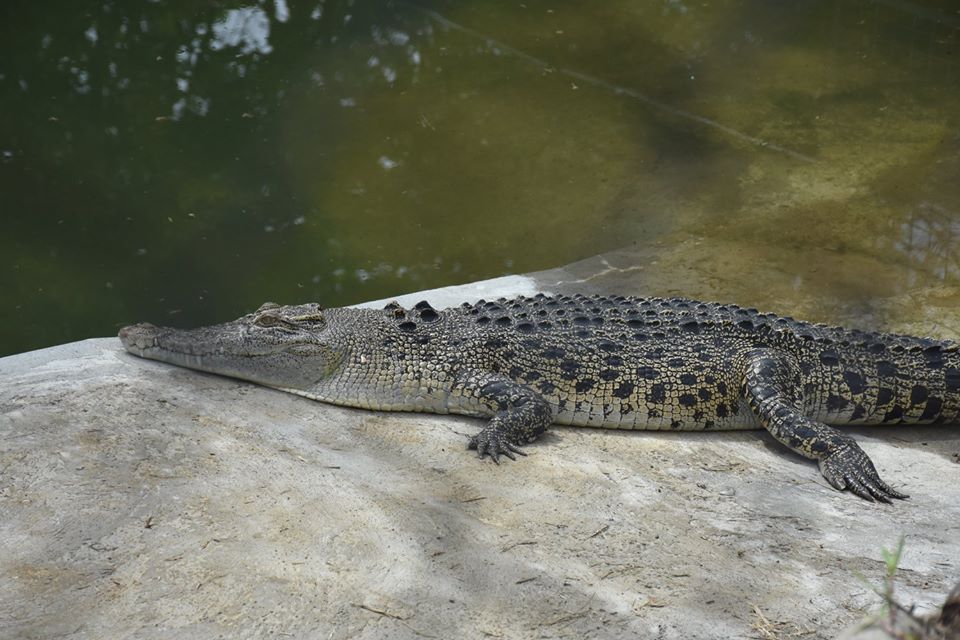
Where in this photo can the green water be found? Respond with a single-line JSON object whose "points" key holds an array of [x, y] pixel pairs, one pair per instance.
{"points": [[183, 162]]}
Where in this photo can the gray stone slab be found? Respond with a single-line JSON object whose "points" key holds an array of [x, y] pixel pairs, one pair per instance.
{"points": [[139, 500]]}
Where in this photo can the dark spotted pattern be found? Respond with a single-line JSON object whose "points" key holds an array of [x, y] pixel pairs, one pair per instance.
{"points": [[615, 362]]}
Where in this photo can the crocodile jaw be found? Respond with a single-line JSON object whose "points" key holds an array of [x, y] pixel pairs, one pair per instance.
{"points": [[166, 345], [229, 349]]}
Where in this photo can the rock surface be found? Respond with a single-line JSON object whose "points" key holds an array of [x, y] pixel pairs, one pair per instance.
{"points": [[142, 500]]}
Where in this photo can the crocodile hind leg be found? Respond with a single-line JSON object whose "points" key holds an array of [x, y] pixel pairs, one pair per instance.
{"points": [[518, 414], [772, 389]]}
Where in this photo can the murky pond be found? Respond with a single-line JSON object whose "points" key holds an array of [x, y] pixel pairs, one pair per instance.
{"points": [[184, 162]]}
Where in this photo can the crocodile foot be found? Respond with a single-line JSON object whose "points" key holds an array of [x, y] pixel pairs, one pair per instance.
{"points": [[848, 467], [493, 442]]}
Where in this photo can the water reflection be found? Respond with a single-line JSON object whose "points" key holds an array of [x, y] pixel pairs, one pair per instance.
{"points": [[247, 28], [929, 238], [173, 157]]}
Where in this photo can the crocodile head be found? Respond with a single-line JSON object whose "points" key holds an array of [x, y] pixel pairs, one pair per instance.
{"points": [[276, 346]]}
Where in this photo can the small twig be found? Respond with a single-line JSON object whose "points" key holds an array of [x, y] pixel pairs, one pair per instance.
{"points": [[517, 544], [393, 616], [385, 614], [566, 618], [767, 630], [598, 532], [620, 570]]}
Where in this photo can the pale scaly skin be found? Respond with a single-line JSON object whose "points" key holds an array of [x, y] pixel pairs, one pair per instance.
{"points": [[614, 362]]}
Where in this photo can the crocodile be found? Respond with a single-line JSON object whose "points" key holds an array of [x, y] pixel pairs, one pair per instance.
{"points": [[593, 361]]}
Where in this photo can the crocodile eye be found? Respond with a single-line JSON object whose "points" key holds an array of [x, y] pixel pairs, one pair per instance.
{"points": [[267, 320], [266, 306]]}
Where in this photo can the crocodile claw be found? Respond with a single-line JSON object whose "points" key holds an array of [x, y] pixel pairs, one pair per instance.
{"points": [[489, 441], [848, 467]]}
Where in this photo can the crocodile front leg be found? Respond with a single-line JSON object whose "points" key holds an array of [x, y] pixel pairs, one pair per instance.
{"points": [[518, 414], [771, 388]]}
